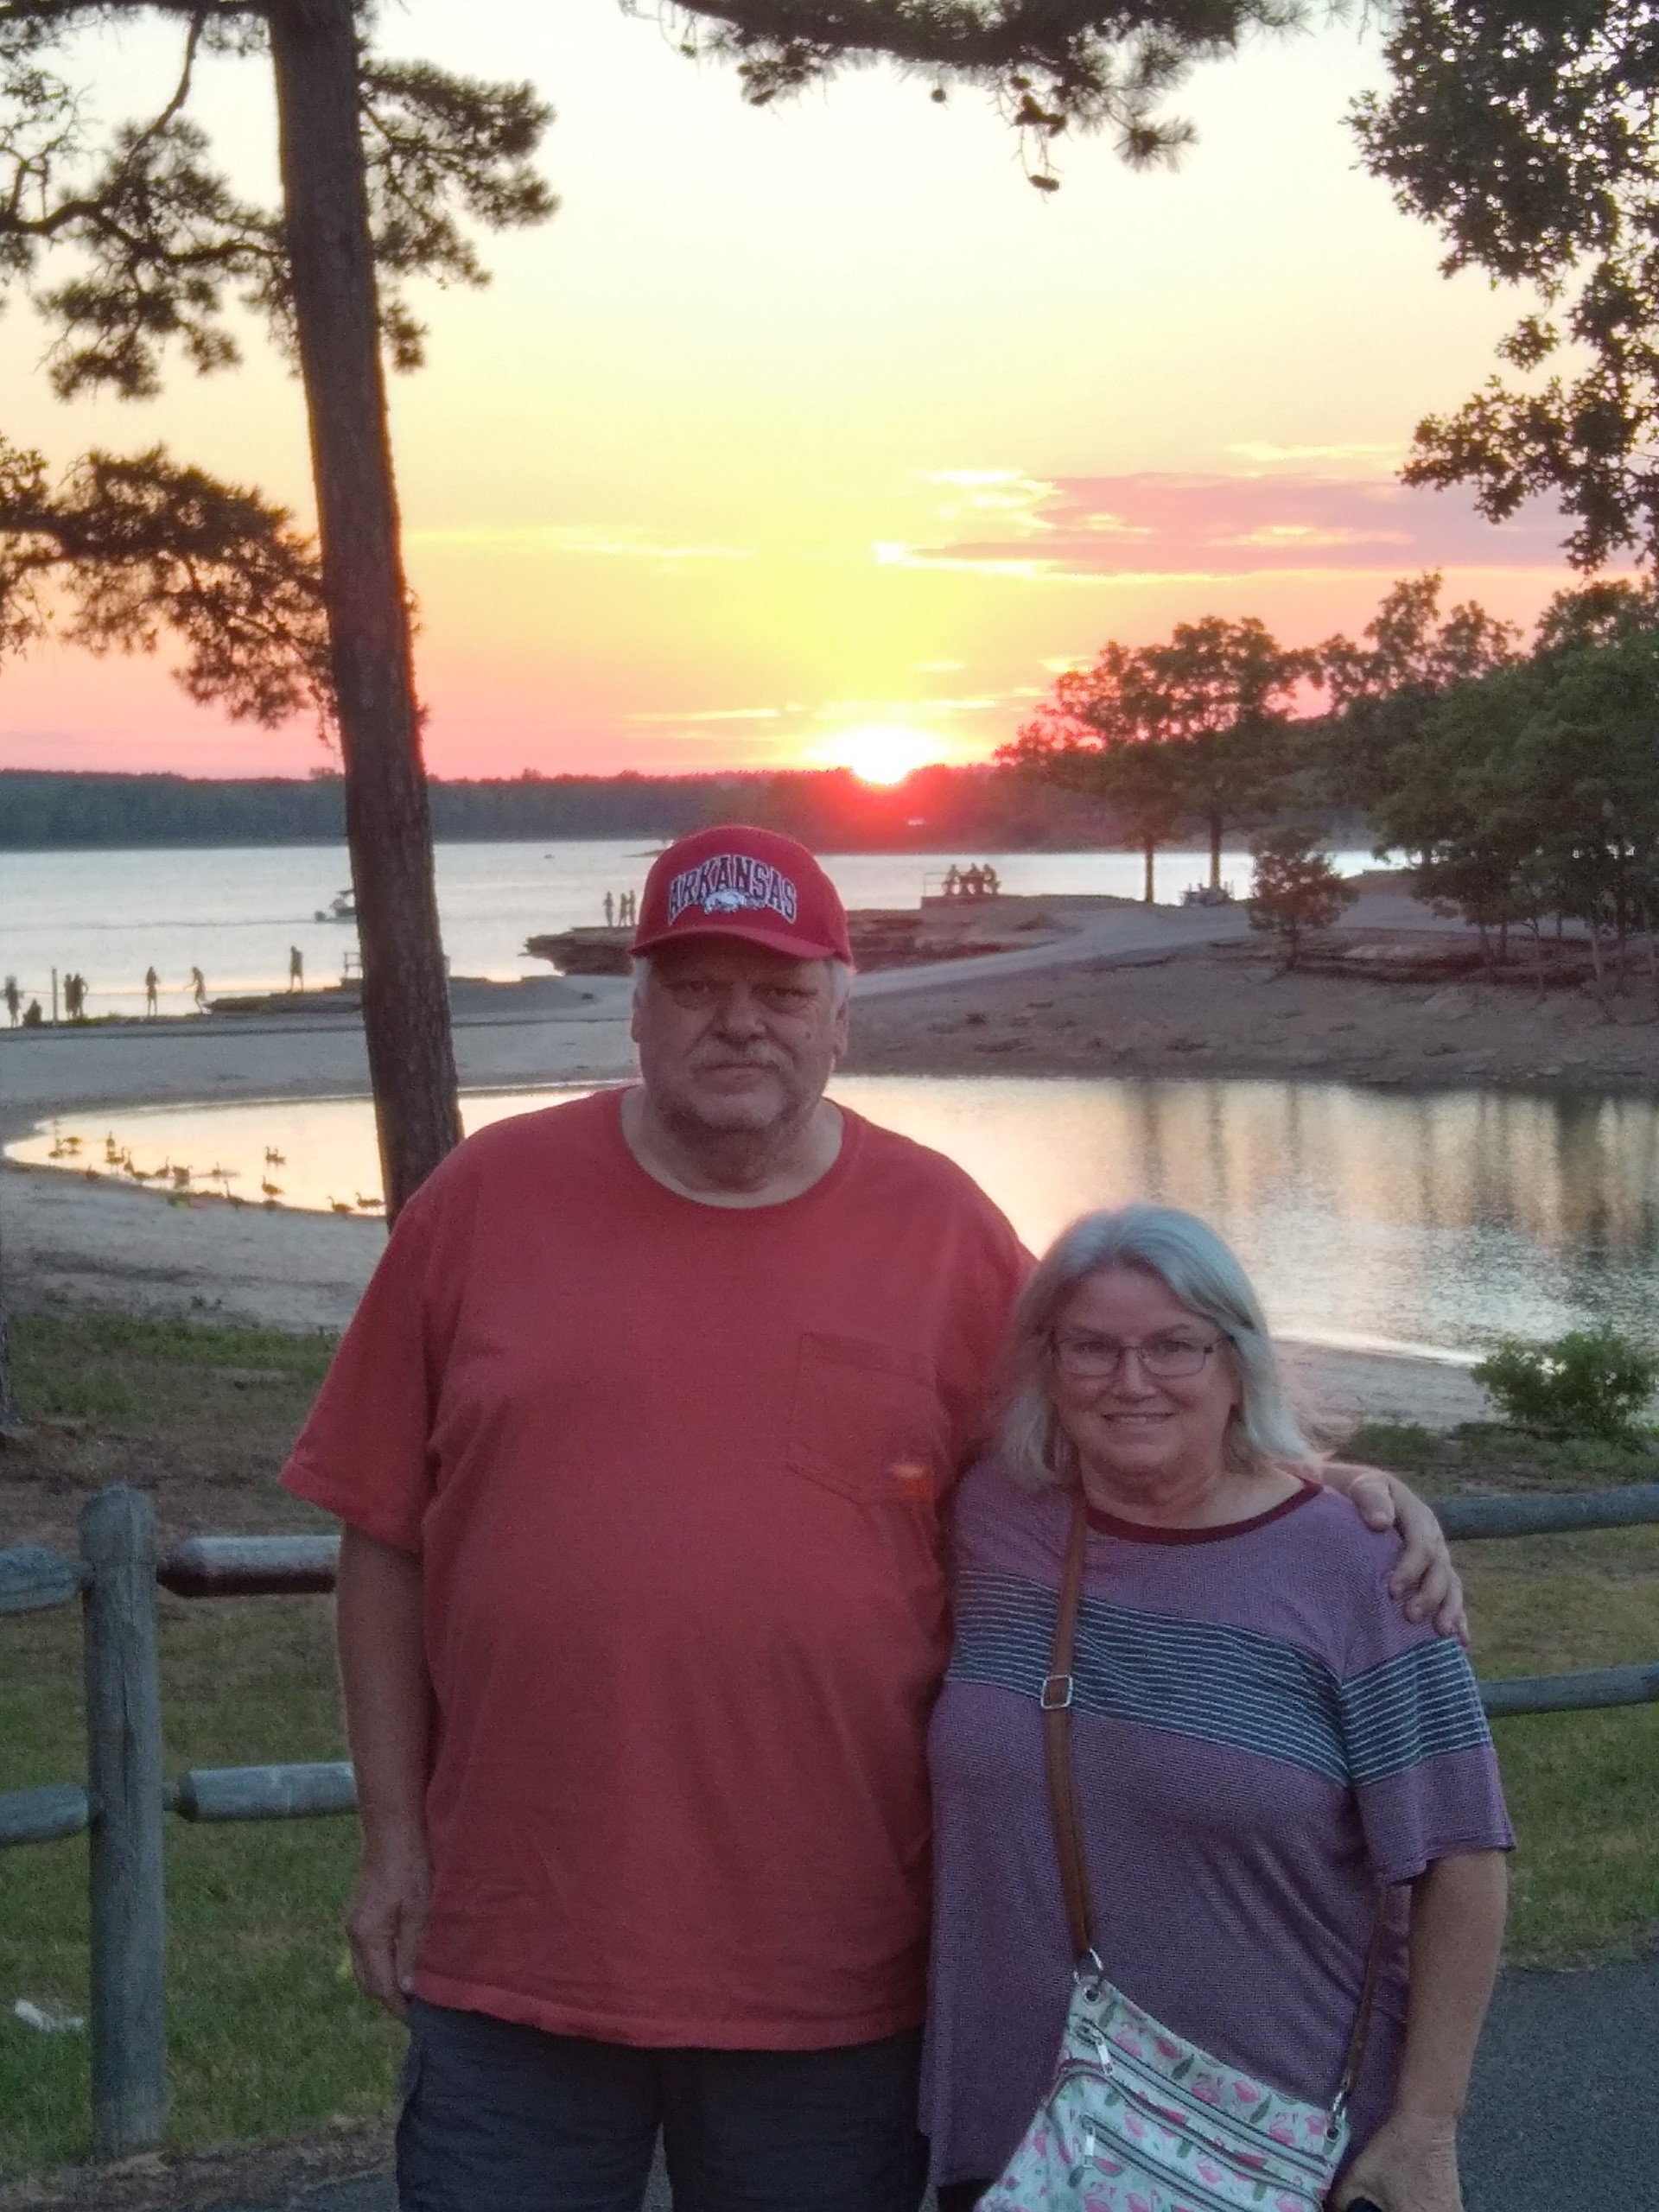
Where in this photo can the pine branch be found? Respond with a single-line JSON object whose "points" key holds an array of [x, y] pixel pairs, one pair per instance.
{"points": [[141, 546], [166, 249], [1052, 65]]}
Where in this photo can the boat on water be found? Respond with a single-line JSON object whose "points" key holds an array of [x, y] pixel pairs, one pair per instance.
{"points": [[1208, 894], [342, 907]]}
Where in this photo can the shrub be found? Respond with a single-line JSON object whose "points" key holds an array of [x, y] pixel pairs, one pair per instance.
{"points": [[1589, 1382], [1295, 888]]}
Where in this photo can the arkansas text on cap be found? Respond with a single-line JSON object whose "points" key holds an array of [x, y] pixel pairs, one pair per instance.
{"points": [[740, 881]]}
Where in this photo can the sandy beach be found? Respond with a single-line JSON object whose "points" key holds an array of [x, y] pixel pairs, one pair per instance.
{"points": [[1102, 988]]}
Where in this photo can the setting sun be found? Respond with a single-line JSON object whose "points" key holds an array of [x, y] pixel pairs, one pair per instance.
{"points": [[882, 753]]}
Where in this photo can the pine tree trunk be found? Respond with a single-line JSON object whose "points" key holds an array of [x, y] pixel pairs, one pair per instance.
{"points": [[1215, 852], [405, 998], [10, 1423], [1151, 850], [1597, 975]]}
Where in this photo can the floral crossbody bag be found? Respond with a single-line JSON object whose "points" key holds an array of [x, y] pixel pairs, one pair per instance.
{"points": [[1137, 2117]]}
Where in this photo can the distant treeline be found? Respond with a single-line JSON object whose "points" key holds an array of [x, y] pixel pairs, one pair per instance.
{"points": [[953, 809]]}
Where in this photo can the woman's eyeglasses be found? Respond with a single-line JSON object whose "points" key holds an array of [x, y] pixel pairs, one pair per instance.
{"points": [[1092, 1359]]}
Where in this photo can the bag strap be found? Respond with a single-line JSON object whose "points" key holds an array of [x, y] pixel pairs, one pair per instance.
{"points": [[1357, 2042], [1056, 1742], [1058, 1693]]}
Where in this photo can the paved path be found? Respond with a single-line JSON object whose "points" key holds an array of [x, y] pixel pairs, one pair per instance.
{"points": [[1125, 934], [1564, 2118]]}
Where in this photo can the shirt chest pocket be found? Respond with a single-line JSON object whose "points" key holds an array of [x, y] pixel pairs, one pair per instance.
{"points": [[866, 1420]]}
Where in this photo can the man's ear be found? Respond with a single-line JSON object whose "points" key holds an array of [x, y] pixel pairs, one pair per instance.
{"points": [[841, 1035]]}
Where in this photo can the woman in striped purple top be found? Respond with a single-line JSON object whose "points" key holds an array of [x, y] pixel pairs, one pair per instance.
{"points": [[1262, 1739]]}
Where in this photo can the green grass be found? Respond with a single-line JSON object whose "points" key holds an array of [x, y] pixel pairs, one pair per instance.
{"points": [[113, 1368], [1583, 1788], [1493, 1452], [268, 2035]]}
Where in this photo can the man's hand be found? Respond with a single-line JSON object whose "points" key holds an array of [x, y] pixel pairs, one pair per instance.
{"points": [[378, 1616], [385, 1920], [1424, 1578], [1408, 2166]]}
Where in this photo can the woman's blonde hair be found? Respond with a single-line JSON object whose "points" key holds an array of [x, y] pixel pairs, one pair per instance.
{"points": [[1195, 1266]]}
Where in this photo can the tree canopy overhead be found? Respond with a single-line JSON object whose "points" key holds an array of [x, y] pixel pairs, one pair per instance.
{"points": [[1527, 132], [1051, 64]]}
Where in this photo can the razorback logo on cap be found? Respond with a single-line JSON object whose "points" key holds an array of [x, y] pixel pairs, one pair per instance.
{"points": [[733, 883]]}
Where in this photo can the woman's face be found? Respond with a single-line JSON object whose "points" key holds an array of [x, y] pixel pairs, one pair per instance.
{"points": [[1132, 1427]]}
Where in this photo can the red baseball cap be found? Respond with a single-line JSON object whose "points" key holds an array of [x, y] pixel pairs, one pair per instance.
{"points": [[738, 881]]}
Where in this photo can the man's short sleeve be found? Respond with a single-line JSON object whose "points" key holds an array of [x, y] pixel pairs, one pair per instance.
{"points": [[364, 1452]]}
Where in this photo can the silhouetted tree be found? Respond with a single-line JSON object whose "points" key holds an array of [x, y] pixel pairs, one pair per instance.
{"points": [[142, 545], [1383, 690], [1052, 65], [1527, 132], [381, 164], [1194, 726], [1223, 692], [1108, 730], [1532, 790]]}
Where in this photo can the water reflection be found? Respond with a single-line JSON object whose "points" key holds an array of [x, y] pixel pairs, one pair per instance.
{"points": [[1367, 1217]]}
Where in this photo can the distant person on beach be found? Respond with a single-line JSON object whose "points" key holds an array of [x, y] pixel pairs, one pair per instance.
{"points": [[296, 969], [13, 1001], [199, 988], [641, 1437], [990, 882], [152, 985], [610, 911], [74, 995], [952, 881]]}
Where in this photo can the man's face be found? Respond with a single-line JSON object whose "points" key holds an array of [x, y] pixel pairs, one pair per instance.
{"points": [[737, 1040]]}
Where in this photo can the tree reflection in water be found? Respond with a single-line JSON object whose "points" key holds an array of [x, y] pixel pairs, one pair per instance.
{"points": [[1429, 1220]]}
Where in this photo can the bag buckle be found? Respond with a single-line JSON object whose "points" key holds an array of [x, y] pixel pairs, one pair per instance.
{"points": [[1056, 1694], [1089, 1976]]}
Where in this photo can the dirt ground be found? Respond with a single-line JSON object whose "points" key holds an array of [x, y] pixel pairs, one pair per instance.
{"points": [[199, 1420], [1234, 1010], [266, 2174]]}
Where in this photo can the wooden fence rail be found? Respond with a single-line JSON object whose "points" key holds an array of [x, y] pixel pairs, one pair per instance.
{"points": [[126, 1797]]}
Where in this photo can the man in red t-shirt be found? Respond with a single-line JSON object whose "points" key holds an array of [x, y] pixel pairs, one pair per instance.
{"points": [[641, 1437]]}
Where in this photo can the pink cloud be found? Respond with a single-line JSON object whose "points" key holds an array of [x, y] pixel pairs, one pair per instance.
{"points": [[1153, 526]]}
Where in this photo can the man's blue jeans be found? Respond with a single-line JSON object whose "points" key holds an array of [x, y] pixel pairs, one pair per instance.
{"points": [[499, 2118]]}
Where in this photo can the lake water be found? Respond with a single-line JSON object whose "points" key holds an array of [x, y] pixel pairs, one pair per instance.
{"points": [[233, 912], [1433, 1223]]}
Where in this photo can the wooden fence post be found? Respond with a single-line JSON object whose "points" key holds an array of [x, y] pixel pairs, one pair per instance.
{"points": [[123, 1782]]}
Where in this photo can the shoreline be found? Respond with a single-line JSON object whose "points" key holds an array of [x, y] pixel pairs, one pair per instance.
{"points": [[1110, 990], [73, 1248]]}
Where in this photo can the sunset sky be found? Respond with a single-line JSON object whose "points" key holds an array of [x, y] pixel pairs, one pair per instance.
{"points": [[815, 435]]}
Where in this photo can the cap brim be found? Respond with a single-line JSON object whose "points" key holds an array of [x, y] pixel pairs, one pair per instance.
{"points": [[771, 938]]}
